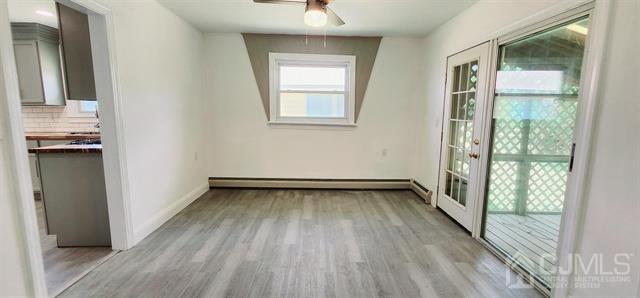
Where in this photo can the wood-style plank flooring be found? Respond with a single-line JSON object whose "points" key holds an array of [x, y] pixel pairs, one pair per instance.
{"points": [[531, 239], [64, 266], [304, 243]]}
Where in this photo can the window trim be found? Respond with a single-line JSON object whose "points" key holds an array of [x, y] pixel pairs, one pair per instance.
{"points": [[279, 59]]}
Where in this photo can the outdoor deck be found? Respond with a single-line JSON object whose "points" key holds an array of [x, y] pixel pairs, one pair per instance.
{"points": [[530, 239]]}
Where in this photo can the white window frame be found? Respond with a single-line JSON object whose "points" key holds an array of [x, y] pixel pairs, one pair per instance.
{"points": [[276, 60]]}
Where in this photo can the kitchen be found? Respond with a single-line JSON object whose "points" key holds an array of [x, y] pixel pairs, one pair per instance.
{"points": [[62, 128]]}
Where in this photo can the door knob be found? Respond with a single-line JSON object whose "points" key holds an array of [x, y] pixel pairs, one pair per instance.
{"points": [[474, 155]]}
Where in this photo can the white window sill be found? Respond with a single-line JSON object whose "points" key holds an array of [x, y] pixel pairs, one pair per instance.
{"points": [[320, 125], [83, 115]]}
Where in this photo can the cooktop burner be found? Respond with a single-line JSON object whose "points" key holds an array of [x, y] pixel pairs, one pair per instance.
{"points": [[86, 142]]}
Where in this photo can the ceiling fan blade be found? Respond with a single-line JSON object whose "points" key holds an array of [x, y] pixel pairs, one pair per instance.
{"points": [[333, 18], [287, 2]]}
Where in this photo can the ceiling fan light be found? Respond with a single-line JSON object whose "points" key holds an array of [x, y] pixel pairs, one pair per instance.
{"points": [[315, 15]]}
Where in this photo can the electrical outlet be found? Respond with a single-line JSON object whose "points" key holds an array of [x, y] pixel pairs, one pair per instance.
{"points": [[384, 152]]}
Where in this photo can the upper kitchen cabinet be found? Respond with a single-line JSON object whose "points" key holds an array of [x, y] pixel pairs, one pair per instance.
{"points": [[76, 49], [36, 49]]}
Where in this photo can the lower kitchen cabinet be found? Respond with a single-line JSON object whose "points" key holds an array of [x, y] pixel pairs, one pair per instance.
{"points": [[33, 166], [35, 172]]}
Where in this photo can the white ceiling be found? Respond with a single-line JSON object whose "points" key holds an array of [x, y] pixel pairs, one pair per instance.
{"points": [[25, 11], [363, 17]]}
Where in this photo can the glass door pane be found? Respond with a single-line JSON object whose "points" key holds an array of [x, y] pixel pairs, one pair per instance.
{"points": [[460, 118], [534, 113]]}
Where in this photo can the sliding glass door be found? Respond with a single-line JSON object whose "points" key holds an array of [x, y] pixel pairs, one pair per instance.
{"points": [[533, 118]]}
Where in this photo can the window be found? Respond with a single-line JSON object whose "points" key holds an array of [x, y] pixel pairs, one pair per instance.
{"points": [[312, 89], [88, 106]]}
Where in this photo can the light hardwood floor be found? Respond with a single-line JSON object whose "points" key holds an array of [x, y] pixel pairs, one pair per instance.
{"points": [[64, 266], [304, 243], [532, 239]]}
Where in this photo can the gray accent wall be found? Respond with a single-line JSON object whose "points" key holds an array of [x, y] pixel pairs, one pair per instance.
{"points": [[260, 45]]}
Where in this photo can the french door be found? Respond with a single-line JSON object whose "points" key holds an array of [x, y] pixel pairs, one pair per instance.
{"points": [[464, 102]]}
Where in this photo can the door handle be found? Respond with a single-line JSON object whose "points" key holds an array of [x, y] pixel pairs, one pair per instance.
{"points": [[474, 155]]}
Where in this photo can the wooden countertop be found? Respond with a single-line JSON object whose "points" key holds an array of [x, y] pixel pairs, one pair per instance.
{"points": [[66, 148], [55, 136]]}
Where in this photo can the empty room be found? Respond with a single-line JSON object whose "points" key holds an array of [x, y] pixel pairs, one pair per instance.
{"points": [[319, 148]]}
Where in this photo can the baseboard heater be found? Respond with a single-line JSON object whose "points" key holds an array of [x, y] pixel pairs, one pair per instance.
{"points": [[301, 183]]}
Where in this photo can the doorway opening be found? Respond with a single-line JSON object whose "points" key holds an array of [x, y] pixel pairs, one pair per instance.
{"points": [[512, 154], [532, 135], [73, 211]]}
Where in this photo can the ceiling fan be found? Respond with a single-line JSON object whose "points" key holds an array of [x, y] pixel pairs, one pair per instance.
{"points": [[316, 13]]}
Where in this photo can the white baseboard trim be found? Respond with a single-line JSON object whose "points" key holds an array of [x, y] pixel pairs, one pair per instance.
{"points": [[168, 212], [310, 183]]}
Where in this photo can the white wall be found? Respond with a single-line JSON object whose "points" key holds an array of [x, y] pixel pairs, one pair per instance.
{"points": [[612, 214], [13, 278], [14, 268], [161, 78], [241, 144], [612, 204]]}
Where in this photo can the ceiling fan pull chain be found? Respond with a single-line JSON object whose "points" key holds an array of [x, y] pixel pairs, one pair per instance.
{"points": [[325, 37]]}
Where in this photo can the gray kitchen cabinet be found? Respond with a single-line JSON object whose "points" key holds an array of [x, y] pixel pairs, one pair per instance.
{"points": [[75, 198], [32, 144], [35, 174], [77, 56], [51, 69], [44, 143], [29, 78], [33, 166], [38, 64]]}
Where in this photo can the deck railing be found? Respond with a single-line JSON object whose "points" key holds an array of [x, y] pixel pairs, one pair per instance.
{"points": [[530, 158]]}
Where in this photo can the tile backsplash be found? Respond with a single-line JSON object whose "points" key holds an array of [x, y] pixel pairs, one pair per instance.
{"points": [[58, 119]]}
